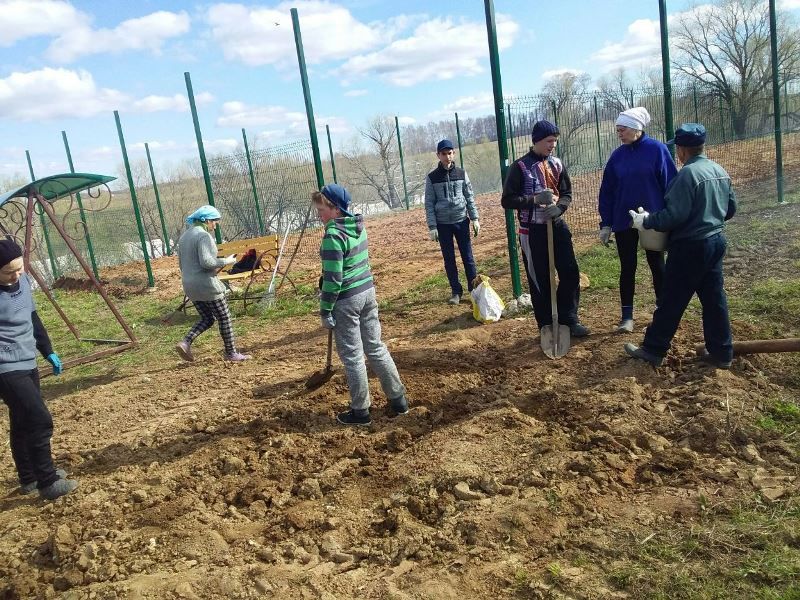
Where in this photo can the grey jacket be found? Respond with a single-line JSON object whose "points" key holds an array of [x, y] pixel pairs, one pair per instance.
{"points": [[448, 197], [197, 257]]}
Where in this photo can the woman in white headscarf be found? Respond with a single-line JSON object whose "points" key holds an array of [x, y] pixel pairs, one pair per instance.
{"points": [[637, 174]]}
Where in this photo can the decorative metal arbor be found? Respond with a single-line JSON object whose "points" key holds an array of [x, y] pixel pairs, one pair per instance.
{"points": [[17, 209]]}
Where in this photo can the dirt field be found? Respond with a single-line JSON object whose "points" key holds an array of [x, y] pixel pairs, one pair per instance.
{"points": [[513, 476]]}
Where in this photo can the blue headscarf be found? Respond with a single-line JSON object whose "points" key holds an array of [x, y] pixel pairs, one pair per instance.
{"points": [[203, 214]]}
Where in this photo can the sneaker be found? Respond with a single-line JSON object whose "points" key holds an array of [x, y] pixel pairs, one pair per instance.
{"points": [[185, 351], [58, 488], [642, 354], [399, 407], [710, 359], [349, 417], [625, 326], [27, 488], [578, 330], [237, 357], [454, 299]]}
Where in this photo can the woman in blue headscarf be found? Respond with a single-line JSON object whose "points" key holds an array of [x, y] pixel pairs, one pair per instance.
{"points": [[197, 257]]}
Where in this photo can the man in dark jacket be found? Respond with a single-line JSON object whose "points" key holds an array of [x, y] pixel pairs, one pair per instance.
{"points": [[449, 210], [698, 202], [536, 172]]}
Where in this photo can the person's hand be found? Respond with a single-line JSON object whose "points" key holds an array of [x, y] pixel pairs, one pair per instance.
{"points": [[543, 198], [328, 322], [54, 360], [638, 218], [552, 211], [476, 227], [229, 260], [433, 234], [605, 235]]}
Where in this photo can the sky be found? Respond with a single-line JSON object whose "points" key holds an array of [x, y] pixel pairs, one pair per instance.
{"points": [[67, 65]]}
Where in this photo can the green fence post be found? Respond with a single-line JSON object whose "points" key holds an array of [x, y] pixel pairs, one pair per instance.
{"points": [[669, 126], [631, 90], [555, 122], [785, 100], [696, 112], [158, 201], [51, 256], [597, 131], [776, 99], [502, 142], [139, 226], [458, 137], [511, 131], [201, 150], [253, 183], [402, 161], [722, 120], [89, 245], [330, 151], [312, 127]]}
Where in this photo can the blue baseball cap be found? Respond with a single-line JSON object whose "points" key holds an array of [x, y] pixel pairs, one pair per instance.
{"points": [[444, 145], [689, 134], [338, 195]]}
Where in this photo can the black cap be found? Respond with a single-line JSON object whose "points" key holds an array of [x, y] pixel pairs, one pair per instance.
{"points": [[689, 134], [9, 250]]}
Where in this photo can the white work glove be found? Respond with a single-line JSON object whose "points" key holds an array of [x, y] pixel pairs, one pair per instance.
{"points": [[552, 211], [328, 322], [229, 260], [605, 235], [433, 234], [476, 227], [638, 218]]}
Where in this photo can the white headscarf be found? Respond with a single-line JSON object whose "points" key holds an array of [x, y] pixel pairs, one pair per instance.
{"points": [[635, 118]]}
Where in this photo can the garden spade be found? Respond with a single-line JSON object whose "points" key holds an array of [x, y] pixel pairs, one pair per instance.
{"points": [[554, 338], [321, 377]]}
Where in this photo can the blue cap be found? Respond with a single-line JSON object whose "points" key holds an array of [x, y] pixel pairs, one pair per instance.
{"points": [[543, 129], [689, 134], [203, 214], [444, 145], [338, 196]]}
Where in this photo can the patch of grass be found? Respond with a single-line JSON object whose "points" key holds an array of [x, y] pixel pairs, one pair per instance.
{"points": [[772, 304], [781, 415], [601, 265]]}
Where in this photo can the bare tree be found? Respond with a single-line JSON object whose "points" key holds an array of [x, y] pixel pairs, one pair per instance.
{"points": [[378, 167], [568, 95], [725, 47]]}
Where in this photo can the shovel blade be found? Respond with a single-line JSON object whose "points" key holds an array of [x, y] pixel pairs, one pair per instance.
{"points": [[554, 340], [320, 378]]}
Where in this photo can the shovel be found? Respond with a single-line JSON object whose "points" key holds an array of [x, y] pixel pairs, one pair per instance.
{"points": [[554, 338], [321, 377]]}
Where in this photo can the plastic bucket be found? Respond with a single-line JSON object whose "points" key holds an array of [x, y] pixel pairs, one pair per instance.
{"points": [[653, 240]]}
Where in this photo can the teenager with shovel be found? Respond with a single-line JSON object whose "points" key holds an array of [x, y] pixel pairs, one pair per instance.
{"points": [[537, 172]]}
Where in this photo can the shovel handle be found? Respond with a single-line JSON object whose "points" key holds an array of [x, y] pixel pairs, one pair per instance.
{"points": [[328, 362]]}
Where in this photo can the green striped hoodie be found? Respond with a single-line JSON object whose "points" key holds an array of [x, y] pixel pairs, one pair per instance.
{"points": [[345, 261]]}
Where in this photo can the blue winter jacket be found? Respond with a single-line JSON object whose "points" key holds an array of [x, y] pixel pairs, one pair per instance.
{"points": [[636, 175], [448, 197]]}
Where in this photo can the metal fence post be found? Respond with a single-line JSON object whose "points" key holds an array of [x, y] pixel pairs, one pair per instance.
{"points": [[330, 151], [201, 150], [776, 99], [458, 138], [722, 120], [669, 127], [51, 256], [696, 112], [402, 161], [139, 226], [502, 143], [555, 122], [89, 245], [511, 131], [158, 201], [253, 183], [597, 131]]}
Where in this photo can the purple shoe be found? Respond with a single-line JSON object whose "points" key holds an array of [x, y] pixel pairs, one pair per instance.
{"points": [[185, 351], [237, 357]]}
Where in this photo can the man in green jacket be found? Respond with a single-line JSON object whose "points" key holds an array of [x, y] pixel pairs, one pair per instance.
{"points": [[698, 201]]}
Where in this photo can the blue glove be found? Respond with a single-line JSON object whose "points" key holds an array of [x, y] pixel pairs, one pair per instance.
{"points": [[552, 211], [53, 359], [328, 322]]}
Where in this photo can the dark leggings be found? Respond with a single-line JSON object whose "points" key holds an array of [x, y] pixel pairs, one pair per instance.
{"points": [[628, 251]]}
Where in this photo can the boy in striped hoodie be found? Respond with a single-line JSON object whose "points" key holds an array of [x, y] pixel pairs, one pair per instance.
{"points": [[348, 306]]}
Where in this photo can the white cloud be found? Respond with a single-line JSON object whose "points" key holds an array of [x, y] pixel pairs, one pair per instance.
{"points": [[74, 93], [355, 93], [562, 71], [142, 33], [221, 145], [411, 60], [640, 48], [29, 18], [260, 35], [789, 4], [239, 114], [406, 120], [466, 104]]}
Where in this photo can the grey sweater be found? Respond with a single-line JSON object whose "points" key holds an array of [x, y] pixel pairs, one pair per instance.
{"points": [[21, 331], [197, 257]]}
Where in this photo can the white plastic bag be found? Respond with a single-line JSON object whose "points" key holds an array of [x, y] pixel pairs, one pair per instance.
{"points": [[487, 305]]}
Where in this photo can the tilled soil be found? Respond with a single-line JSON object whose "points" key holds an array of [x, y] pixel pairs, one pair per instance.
{"points": [[211, 480]]}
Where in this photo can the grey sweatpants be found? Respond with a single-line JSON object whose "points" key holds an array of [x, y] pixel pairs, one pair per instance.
{"points": [[358, 332]]}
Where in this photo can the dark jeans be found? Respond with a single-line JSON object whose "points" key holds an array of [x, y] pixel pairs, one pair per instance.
{"points": [[568, 291], [31, 427], [693, 267], [461, 233], [628, 251]]}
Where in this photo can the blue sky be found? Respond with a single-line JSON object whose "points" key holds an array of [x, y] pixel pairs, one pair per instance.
{"points": [[67, 65]]}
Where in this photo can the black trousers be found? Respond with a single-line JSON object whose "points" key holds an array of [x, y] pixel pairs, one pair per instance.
{"points": [[31, 427], [628, 252], [568, 291]]}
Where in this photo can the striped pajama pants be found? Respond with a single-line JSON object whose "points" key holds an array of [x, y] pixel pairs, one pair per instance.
{"points": [[210, 311]]}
